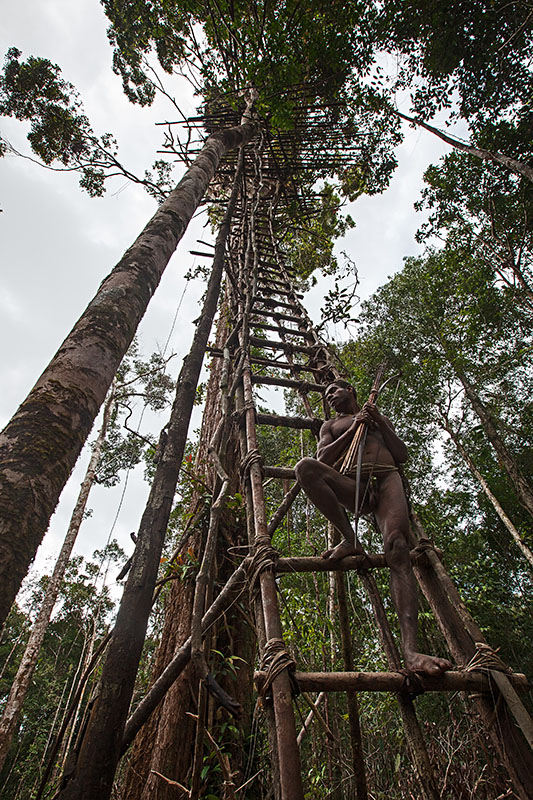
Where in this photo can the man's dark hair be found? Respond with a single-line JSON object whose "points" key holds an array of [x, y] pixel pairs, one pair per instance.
{"points": [[344, 384]]}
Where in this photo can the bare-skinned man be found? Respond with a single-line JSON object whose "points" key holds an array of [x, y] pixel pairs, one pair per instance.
{"points": [[334, 493]]}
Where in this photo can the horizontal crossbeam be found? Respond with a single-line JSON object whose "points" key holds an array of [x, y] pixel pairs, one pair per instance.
{"points": [[473, 681], [287, 347], [319, 564], [280, 329], [216, 352], [268, 290], [279, 472], [277, 315], [271, 380], [269, 301], [301, 423]]}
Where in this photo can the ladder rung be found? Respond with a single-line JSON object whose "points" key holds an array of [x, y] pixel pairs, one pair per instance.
{"points": [[283, 284], [277, 315], [269, 362], [268, 301], [272, 276], [319, 564], [216, 352], [279, 472], [473, 681], [268, 380], [286, 346], [264, 267], [265, 326], [287, 292], [302, 423]]}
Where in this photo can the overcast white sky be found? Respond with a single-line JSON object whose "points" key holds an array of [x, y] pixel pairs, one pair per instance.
{"points": [[57, 244]]}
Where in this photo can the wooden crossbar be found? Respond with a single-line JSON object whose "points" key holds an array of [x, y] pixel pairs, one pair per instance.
{"points": [[301, 423], [279, 472], [394, 681], [277, 315], [269, 301], [285, 346], [279, 328], [270, 380], [286, 566]]}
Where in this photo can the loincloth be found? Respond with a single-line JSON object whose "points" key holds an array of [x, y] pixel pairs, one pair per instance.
{"points": [[370, 473], [370, 470]]}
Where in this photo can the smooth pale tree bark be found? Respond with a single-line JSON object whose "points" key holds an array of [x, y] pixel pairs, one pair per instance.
{"points": [[19, 688], [100, 748], [40, 445], [524, 549], [511, 164]]}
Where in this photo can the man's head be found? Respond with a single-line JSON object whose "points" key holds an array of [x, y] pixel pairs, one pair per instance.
{"points": [[341, 395]]}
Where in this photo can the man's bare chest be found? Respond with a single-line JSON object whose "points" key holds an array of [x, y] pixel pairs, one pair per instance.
{"points": [[340, 425]]}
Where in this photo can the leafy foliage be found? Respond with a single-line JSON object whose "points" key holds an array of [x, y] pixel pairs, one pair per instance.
{"points": [[137, 380], [34, 90], [82, 616], [480, 50]]}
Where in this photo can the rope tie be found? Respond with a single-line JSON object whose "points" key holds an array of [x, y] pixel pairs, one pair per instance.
{"points": [[239, 417], [275, 659], [485, 659], [412, 685], [419, 552], [264, 558], [252, 457]]}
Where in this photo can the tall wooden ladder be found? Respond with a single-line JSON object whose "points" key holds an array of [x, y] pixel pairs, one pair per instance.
{"points": [[276, 336]]}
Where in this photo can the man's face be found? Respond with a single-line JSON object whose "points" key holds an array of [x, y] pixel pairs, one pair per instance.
{"points": [[339, 397]]}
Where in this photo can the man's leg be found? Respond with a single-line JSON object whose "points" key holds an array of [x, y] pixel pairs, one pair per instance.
{"points": [[331, 493], [392, 516]]}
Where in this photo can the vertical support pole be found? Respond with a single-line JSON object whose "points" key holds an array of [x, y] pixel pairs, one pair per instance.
{"points": [[288, 752], [358, 758], [413, 733], [461, 633]]}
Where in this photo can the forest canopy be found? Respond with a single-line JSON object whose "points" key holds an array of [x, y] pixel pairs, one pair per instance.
{"points": [[298, 117]]}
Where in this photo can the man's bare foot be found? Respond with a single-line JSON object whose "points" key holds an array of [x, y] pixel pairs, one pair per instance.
{"points": [[426, 665], [345, 548]]}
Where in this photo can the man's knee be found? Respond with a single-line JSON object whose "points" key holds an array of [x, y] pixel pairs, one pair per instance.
{"points": [[396, 548], [306, 471]]}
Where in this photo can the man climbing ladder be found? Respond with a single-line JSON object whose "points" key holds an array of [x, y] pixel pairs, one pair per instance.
{"points": [[333, 492]]}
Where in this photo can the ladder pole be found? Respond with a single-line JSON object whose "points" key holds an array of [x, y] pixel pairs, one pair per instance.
{"points": [[461, 634], [358, 756], [286, 734], [411, 725]]}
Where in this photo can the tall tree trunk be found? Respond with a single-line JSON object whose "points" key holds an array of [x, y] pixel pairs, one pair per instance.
{"points": [[508, 463], [511, 164], [165, 744], [526, 552], [100, 749], [28, 663], [41, 444]]}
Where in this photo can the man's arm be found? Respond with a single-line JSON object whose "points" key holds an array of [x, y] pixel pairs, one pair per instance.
{"points": [[394, 444]]}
